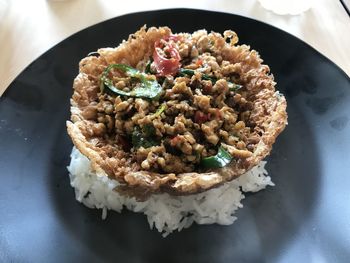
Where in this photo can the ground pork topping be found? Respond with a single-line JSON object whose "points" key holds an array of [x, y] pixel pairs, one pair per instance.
{"points": [[183, 103], [201, 105]]}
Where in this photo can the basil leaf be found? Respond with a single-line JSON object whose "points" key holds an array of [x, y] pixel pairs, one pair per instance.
{"points": [[145, 89], [221, 159], [149, 130]]}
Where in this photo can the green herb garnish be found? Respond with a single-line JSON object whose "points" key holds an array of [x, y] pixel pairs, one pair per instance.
{"points": [[221, 159], [144, 89], [149, 130]]}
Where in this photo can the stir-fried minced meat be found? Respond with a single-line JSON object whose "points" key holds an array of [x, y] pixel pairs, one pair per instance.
{"points": [[217, 94], [198, 114]]}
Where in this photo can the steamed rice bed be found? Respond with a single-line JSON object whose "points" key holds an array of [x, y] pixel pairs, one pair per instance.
{"points": [[165, 212]]}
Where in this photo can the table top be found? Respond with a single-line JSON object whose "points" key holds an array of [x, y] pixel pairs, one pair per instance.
{"points": [[29, 28]]}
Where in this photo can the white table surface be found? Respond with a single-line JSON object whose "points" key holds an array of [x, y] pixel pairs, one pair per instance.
{"points": [[29, 28]]}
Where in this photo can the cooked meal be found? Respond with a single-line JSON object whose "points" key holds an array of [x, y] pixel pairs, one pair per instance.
{"points": [[174, 113]]}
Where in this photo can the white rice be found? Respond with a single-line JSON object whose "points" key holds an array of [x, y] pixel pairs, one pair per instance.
{"points": [[164, 212]]}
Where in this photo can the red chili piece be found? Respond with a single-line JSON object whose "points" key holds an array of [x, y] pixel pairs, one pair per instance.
{"points": [[200, 117], [174, 141], [166, 57]]}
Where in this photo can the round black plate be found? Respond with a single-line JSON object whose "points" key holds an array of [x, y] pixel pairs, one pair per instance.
{"points": [[304, 218]]}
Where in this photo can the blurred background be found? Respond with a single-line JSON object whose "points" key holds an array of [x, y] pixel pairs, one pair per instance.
{"points": [[29, 28]]}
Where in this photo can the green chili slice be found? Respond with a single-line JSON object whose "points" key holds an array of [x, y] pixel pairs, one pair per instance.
{"points": [[221, 159], [145, 89]]}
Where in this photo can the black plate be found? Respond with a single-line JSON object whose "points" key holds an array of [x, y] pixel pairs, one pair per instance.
{"points": [[305, 218]]}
